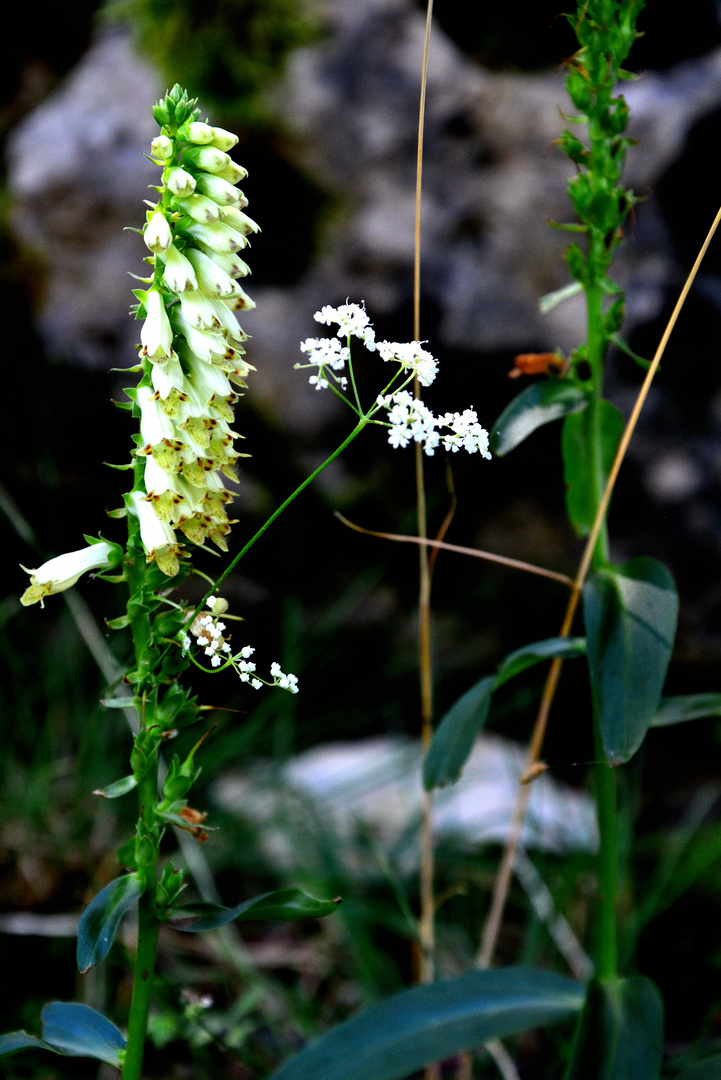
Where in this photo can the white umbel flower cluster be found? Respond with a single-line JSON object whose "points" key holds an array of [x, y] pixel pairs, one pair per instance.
{"points": [[408, 418], [210, 634], [191, 342]]}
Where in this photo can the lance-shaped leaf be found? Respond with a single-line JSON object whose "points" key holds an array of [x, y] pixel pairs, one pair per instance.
{"points": [[101, 919], [72, 1030], [285, 905], [630, 615], [454, 737], [677, 710], [538, 404], [117, 788], [620, 1035], [578, 466], [416, 1027]]}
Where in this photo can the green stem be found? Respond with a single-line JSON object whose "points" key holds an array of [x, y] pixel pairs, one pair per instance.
{"points": [[596, 356], [283, 506], [605, 785], [148, 927]]}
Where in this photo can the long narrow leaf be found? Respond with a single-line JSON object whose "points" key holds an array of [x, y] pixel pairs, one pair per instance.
{"points": [[457, 730], [285, 905], [677, 710], [404, 1033]]}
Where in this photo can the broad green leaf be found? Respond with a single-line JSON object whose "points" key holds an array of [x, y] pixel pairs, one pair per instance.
{"points": [[457, 730], [538, 404], [676, 710], [620, 1035], [578, 469], [703, 1070], [101, 919], [630, 615], [285, 905], [72, 1030], [454, 737], [117, 788], [416, 1027], [80, 1031]]}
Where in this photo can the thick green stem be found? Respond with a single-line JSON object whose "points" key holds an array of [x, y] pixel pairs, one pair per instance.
{"points": [[605, 785], [148, 927]]}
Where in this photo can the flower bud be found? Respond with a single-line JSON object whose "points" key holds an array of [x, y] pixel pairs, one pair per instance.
{"points": [[210, 159], [212, 279], [162, 148], [180, 182], [224, 140], [238, 220], [158, 236], [219, 236], [61, 573], [197, 133]]}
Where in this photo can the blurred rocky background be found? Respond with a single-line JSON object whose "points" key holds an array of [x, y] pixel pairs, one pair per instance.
{"points": [[325, 96]]}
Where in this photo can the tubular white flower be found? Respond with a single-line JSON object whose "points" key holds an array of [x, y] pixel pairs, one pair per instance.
{"points": [[154, 424], [200, 208], [157, 537], [217, 189], [156, 335], [61, 573], [211, 278], [234, 217], [219, 236], [179, 274], [157, 235]]}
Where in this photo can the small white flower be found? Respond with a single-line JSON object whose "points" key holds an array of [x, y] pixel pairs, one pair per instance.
{"points": [[352, 321], [256, 684], [412, 357]]}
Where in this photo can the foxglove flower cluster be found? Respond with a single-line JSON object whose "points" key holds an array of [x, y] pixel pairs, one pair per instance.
{"points": [[191, 342], [210, 634], [408, 418]]}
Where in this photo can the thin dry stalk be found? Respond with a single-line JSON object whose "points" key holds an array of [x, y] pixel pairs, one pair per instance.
{"points": [[494, 919]]}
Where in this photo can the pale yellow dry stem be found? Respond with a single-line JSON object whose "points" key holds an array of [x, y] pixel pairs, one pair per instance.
{"points": [[476, 553], [492, 925]]}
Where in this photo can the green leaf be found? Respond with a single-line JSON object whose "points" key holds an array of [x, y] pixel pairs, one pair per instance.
{"points": [[538, 404], [620, 1035], [455, 735], [578, 469], [118, 624], [20, 1040], [676, 710], [118, 787], [80, 1031], [72, 1030], [101, 918], [285, 905], [404, 1033], [563, 647], [703, 1070], [630, 615]]}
